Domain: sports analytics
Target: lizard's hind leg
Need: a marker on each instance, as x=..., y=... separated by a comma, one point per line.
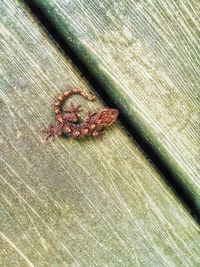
x=51, y=131
x=73, y=113
x=74, y=109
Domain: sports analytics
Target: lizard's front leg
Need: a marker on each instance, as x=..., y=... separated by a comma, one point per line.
x=98, y=132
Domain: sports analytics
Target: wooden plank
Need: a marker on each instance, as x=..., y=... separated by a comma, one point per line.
x=146, y=57
x=75, y=202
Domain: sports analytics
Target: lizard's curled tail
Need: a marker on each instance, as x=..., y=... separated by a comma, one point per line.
x=62, y=97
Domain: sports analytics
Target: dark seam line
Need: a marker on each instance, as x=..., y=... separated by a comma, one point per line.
x=169, y=177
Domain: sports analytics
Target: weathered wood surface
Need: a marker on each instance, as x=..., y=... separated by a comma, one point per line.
x=75, y=203
x=146, y=56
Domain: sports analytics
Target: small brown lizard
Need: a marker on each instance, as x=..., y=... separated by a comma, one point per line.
x=67, y=120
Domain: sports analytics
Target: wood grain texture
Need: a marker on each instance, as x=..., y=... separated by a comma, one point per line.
x=68, y=202
x=146, y=55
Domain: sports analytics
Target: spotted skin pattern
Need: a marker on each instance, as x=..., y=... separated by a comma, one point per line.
x=67, y=120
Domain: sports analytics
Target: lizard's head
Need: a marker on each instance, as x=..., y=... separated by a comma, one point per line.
x=107, y=116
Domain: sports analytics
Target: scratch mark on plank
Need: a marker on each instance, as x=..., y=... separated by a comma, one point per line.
x=70, y=254
x=4, y=237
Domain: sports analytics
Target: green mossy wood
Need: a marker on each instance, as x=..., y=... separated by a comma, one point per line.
x=74, y=202
x=145, y=54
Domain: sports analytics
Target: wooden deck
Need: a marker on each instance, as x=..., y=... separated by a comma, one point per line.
x=131, y=198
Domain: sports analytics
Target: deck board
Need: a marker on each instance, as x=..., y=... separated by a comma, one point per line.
x=74, y=202
x=145, y=56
